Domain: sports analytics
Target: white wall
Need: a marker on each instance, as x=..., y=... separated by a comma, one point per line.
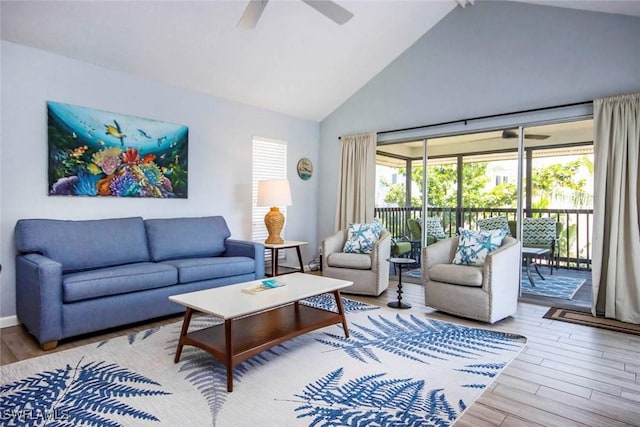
x=220, y=134
x=490, y=58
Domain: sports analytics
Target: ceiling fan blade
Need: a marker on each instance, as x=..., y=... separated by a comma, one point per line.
x=535, y=136
x=512, y=133
x=509, y=134
x=331, y=10
x=252, y=13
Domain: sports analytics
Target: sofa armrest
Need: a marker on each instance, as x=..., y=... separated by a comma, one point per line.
x=249, y=249
x=39, y=296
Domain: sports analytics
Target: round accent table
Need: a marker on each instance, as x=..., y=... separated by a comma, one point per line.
x=399, y=263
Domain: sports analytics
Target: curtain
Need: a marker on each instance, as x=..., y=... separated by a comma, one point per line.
x=356, y=180
x=616, y=209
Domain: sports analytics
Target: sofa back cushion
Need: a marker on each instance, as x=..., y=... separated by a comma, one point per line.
x=186, y=237
x=83, y=245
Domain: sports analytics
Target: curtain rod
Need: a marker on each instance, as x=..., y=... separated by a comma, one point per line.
x=490, y=116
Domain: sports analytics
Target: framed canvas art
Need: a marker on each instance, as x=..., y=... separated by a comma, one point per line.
x=98, y=153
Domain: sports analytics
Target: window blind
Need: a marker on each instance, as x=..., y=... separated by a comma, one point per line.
x=269, y=162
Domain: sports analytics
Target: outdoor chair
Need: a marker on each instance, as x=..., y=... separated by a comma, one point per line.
x=539, y=233
x=415, y=238
x=369, y=272
x=434, y=232
x=495, y=223
x=487, y=292
x=542, y=233
x=400, y=248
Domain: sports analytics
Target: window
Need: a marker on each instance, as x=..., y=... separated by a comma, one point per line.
x=502, y=179
x=269, y=162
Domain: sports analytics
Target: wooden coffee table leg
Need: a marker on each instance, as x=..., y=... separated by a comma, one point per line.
x=336, y=294
x=229, y=353
x=183, y=332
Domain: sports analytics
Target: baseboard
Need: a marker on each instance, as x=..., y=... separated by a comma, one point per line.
x=6, y=322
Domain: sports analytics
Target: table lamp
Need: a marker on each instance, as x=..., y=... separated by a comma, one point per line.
x=274, y=193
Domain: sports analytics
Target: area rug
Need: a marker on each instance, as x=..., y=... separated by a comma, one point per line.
x=552, y=286
x=395, y=369
x=586, y=319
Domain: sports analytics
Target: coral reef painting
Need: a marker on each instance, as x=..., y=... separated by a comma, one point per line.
x=98, y=153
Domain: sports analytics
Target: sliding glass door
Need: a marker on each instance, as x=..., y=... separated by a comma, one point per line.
x=450, y=182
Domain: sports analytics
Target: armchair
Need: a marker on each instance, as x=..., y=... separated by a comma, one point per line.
x=542, y=233
x=487, y=293
x=369, y=272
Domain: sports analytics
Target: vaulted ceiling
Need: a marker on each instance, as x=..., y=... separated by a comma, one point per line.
x=295, y=61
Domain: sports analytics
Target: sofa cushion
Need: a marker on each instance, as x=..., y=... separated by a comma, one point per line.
x=83, y=245
x=186, y=237
x=466, y=275
x=196, y=269
x=121, y=279
x=347, y=260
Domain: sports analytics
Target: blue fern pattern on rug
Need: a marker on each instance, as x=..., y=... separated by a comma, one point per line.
x=328, y=302
x=136, y=336
x=485, y=369
x=207, y=374
x=84, y=394
x=417, y=339
x=374, y=400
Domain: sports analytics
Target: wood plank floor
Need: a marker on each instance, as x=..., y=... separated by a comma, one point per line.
x=567, y=375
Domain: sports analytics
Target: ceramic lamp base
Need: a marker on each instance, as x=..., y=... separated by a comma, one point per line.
x=274, y=220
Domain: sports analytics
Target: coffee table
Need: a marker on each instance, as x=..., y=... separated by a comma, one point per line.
x=256, y=322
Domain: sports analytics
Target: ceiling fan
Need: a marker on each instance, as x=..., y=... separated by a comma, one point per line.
x=512, y=133
x=331, y=10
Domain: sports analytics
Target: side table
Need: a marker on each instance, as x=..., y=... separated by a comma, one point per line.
x=287, y=244
x=399, y=262
x=528, y=254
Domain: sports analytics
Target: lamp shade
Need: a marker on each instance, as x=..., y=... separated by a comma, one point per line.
x=274, y=192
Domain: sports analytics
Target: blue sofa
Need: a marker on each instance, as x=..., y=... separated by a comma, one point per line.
x=76, y=277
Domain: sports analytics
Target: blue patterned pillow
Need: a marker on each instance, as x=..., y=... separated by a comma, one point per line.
x=473, y=246
x=434, y=228
x=361, y=237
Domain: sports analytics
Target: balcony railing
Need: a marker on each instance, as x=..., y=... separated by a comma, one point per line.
x=574, y=243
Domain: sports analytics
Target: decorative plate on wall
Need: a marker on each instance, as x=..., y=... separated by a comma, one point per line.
x=305, y=168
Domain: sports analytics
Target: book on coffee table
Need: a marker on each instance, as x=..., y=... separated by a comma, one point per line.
x=265, y=285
